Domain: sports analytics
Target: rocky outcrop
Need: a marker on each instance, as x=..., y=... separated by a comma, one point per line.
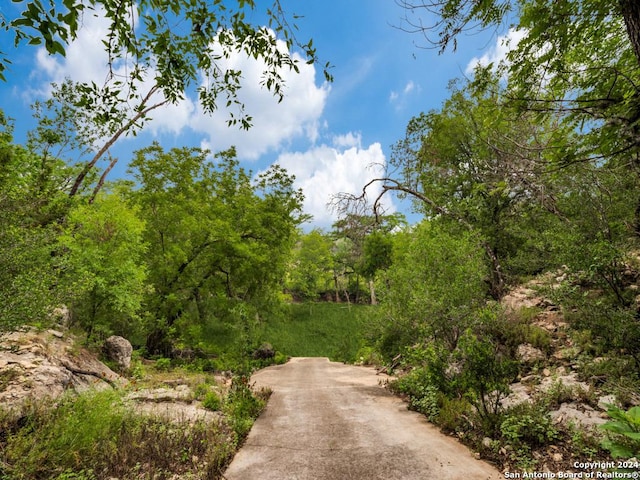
x=118, y=350
x=529, y=354
x=38, y=364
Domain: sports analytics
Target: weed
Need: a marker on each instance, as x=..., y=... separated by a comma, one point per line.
x=212, y=401
x=453, y=415
x=6, y=377
x=243, y=406
x=526, y=426
x=94, y=436
x=583, y=443
x=625, y=427
x=163, y=364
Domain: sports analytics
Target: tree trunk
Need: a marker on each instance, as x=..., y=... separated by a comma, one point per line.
x=630, y=10
x=158, y=343
x=497, y=282
x=372, y=289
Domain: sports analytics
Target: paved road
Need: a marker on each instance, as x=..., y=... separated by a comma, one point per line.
x=327, y=420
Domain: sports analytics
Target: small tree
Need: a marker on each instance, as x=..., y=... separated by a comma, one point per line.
x=105, y=251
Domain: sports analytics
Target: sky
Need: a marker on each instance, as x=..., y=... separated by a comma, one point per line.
x=334, y=137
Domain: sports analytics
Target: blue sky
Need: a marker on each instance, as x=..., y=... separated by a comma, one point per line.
x=333, y=137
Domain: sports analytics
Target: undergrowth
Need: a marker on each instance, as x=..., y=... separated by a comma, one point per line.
x=96, y=436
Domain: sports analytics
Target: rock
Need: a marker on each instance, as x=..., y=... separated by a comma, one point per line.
x=519, y=394
x=37, y=364
x=580, y=414
x=56, y=333
x=182, y=393
x=118, y=349
x=264, y=351
x=529, y=354
x=546, y=372
x=604, y=402
x=530, y=380
x=557, y=457
x=62, y=315
x=486, y=442
x=570, y=381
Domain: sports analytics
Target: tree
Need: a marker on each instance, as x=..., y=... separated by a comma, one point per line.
x=578, y=60
x=218, y=243
x=434, y=287
x=32, y=194
x=157, y=52
x=104, y=262
x=351, y=232
x=311, y=267
x=484, y=168
x=377, y=256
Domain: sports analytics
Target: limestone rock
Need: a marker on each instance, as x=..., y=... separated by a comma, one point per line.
x=529, y=354
x=36, y=364
x=605, y=401
x=118, y=349
x=576, y=413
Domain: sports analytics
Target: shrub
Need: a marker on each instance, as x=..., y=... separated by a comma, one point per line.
x=243, y=406
x=212, y=401
x=453, y=414
x=625, y=443
x=527, y=426
x=163, y=364
x=485, y=374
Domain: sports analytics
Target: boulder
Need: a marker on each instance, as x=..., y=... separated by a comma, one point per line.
x=529, y=354
x=264, y=351
x=39, y=364
x=118, y=349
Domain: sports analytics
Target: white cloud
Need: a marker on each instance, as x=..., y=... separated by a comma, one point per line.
x=349, y=140
x=274, y=124
x=399, y=98
x=497, y=54
x=325, y=171
x=410, y=87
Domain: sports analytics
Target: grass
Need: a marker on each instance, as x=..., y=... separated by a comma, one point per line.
x=331, y=330
x=97, y=436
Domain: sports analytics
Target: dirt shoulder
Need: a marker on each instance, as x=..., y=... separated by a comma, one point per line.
x=327, y=420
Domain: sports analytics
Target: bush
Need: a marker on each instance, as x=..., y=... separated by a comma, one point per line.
x=212, y=401
x=163, y=364
x=243, y=406
x=527, y=426
x=625, y=427
x=453, y=414
x=485, y=374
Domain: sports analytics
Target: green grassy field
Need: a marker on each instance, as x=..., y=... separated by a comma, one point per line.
x=331, y=330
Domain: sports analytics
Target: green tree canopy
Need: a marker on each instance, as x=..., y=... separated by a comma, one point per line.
x=218, y=241
x=104, y=252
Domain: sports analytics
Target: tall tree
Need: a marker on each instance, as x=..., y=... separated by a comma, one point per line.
x=481, y=166
x=311, y=267
x=104, y=250
x=32, y=194
x=218, y=243
x=577, y=59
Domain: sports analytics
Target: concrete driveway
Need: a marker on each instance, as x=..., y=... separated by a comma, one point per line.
x=327, y=420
